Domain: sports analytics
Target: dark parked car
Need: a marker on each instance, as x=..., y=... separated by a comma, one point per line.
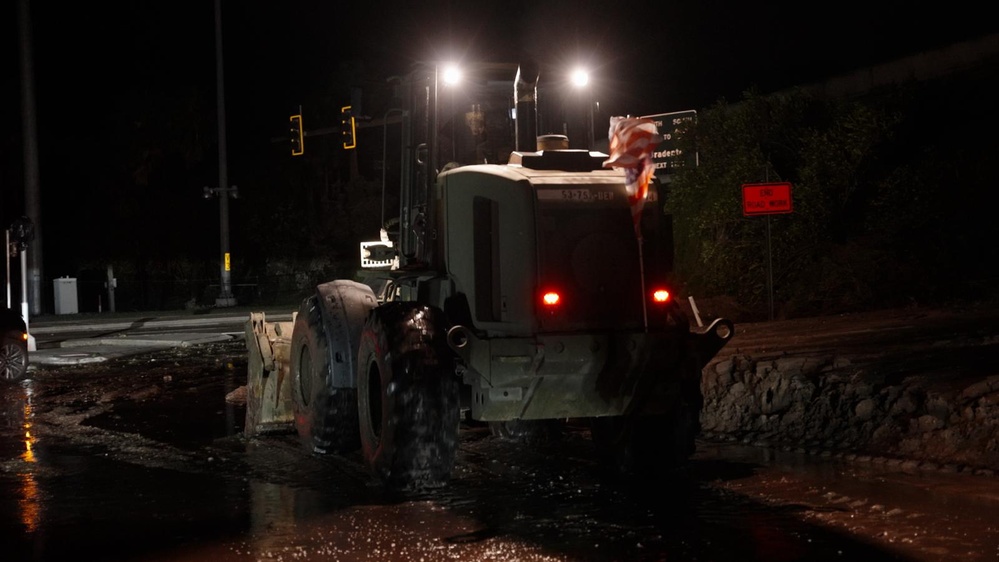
x=13, y=346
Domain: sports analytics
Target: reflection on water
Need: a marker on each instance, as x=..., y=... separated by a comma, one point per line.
x=310, y=524
x=30, y=503
x=30, y=500
x=272, y=516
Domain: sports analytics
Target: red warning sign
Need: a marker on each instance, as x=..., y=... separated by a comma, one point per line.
x=766, y=198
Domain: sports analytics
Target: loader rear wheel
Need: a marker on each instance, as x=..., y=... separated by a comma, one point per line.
x=648, y=445
x=325, y=417
x=407, y=392
x=534, y=432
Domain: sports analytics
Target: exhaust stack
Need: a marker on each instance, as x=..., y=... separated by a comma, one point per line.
x=525, y=98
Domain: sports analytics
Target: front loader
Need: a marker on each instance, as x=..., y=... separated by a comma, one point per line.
x=512, y=286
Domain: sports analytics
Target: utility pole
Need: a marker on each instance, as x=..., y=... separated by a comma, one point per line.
x=225, y=297
x=29, y=133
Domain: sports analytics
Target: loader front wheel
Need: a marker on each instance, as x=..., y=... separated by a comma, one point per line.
x=407, y=392
x=325, y=417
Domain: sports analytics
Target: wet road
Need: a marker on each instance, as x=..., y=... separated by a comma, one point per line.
x=143, y=459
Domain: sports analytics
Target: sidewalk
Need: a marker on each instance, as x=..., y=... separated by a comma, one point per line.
x=93, y=338
x=96, y=350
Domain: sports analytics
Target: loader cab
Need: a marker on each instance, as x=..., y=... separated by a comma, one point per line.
x=451, y=120
x=547, y=243
x=491, y=212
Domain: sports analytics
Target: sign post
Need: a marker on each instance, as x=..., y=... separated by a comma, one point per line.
x=767, y=199
x=23, y=231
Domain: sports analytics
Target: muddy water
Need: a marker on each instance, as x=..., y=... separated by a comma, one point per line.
x=927, y=514
x=145, y=460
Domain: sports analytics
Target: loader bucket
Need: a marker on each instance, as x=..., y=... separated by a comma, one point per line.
x=268, y=388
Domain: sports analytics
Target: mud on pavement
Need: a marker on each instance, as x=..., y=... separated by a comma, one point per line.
x=919, y=386
x=156, y=430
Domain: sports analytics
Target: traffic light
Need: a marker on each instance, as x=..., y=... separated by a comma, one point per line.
x=297, y=135
x=22, y=231
x=348, y=128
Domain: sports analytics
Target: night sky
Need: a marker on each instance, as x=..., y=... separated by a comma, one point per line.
x=646, y=56
x=99, y=67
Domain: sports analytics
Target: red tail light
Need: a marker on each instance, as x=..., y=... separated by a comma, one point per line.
x=550, y=299
x=660, y=296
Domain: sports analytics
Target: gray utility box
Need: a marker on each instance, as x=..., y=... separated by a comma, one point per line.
x=65, y=295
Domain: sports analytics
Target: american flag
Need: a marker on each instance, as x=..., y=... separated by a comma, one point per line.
x=631, y=143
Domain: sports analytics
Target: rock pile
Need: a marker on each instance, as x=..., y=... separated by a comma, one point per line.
x=834, y=405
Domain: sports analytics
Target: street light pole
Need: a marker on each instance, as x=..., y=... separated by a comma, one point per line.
x=24, y=299
x=584, y=101
x=225, y=294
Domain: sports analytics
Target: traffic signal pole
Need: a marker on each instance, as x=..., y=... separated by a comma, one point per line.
x=225, y=297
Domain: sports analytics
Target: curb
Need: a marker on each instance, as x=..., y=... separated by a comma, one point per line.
x=167, y=340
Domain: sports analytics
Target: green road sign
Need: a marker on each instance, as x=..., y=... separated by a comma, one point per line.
x=668, y=155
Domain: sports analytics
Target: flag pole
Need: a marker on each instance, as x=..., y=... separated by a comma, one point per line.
x=631, y=144
x=641, y=277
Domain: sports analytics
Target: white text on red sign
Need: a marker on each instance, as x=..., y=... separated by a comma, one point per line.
x=766, y=198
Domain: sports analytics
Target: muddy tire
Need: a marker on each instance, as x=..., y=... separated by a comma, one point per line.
x=325, y=417
x=408, y=406
x=13, y=359
x=532, y=432
x=648, y=445
x=686, y=421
